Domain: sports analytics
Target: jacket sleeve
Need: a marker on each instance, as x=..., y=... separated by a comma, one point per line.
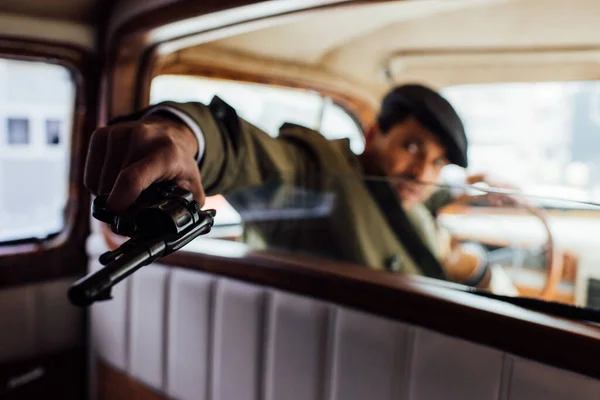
x=438, y=200
x=236, y=153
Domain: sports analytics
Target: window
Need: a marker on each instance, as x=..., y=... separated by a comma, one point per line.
x=544, y=136
x=53, y=131
x=34, y=152
x=265, y=106
x=18, y=131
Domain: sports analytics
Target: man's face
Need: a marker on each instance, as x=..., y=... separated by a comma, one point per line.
x=411, y=152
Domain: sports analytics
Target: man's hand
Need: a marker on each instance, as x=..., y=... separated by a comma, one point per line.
x=125, y=158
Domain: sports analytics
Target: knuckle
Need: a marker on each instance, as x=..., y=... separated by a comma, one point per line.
x=167, y=143
x=140, y=133
x=130, y=178
x=176, y=166
x=99, y=135
x=168, y=148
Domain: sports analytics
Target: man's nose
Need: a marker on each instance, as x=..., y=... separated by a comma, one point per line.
x=418, y=169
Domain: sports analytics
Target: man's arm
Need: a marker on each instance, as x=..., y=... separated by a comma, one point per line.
x=217, y=153
x=464, y=263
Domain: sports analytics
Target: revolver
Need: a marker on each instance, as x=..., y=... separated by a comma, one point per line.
x=162, y=220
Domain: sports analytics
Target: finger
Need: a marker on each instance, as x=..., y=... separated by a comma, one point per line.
x=194, y=184
x=95, y=159
x=134, y=179
x=116, y=151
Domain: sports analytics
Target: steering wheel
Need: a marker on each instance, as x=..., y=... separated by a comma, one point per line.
x=553, y=259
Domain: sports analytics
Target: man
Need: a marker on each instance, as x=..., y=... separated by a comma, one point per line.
x=209, y=150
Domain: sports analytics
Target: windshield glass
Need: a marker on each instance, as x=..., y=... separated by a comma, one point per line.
x=358, y=220
x=542, y=136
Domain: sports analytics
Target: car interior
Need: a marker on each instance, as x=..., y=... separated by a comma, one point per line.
x=232, y=316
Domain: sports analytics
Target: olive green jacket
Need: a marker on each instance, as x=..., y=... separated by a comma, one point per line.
x=239, y=157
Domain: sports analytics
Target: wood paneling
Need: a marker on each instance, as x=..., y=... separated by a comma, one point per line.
x=116, y=385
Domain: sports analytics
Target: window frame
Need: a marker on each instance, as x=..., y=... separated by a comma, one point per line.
x=78, y=63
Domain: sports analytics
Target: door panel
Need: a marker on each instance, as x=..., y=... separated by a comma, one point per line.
x=40, y=320
x=226, y=339
x=41, y=342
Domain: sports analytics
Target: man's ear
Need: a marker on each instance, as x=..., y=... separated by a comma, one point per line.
x=371, y=133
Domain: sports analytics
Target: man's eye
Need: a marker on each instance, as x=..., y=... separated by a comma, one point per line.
x=412, y=147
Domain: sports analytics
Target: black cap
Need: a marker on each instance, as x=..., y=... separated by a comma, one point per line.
x=433, y=111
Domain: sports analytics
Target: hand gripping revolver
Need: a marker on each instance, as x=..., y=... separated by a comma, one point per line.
x=162, y=220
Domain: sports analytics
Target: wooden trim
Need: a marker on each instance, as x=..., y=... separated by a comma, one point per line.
x=558, y=296
x=113, y=384
x=64, y=254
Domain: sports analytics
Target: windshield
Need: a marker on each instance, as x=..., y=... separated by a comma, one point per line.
x=344, y=218
x=543, y=137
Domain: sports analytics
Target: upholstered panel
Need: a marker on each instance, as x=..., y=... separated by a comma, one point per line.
x=238, y=343
x=370, y=357
x=148, y=325
x=533, y=381
x=38, y=319
x=192, y=335
x=297, y=344
x=109, y=327
x=190, y=324
x=460, y=369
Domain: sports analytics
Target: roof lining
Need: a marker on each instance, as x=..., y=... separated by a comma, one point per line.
x=441, y=56
x=20, y=26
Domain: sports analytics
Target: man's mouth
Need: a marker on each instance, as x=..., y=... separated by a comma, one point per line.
x=409, y=191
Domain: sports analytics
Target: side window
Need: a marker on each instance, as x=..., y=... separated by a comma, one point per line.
x=265, y=106
x=36, y=112
x=337, y=124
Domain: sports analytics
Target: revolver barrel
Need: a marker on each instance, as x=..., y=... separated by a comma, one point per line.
x=97, y=285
